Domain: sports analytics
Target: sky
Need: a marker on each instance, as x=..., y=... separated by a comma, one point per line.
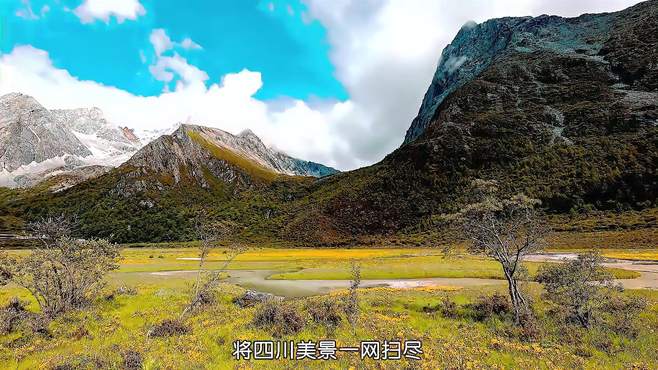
x=336, y=82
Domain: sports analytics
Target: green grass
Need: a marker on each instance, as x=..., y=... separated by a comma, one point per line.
x=326, y=264
x=419, y=268
x=100, y=333
x=109, y=327
x=330, y=264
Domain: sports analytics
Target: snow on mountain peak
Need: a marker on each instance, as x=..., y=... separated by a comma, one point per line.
x=36, y=142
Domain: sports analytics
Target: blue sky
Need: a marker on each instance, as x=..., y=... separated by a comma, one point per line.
x=271, y=37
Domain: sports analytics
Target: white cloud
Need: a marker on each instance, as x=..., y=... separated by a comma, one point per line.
x=26, y=11
x=160, y=41
x=165, y=67
x=91, y=10
x=187, y=43
x=297, y=129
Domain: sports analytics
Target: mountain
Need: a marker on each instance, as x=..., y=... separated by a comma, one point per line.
x=36, y=143
x=608, y=43
x=562, y=109
x=158, y=192
x=196, y=152
x=31, y=134
x=102, y=138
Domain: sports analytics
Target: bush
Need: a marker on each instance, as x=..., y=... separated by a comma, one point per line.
x=40, y=325
x=83, y=361
x=581, y=288
x=132, y=360
x=325, y=312
x=168, y=328
x=530, y=329
x=620, y=314
x=280, y=318
x=65, y=272
x=488, y=306
x=125, y=290
x=448, y=308
x=12, y=315
x=351, y=300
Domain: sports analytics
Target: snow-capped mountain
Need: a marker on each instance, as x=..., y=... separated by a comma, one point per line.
x=108, y=143
x=37, y=143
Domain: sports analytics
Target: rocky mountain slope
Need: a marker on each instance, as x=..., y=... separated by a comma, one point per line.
x=36, y=143
x=203, y=155
x=158, y=192
x=102, y=138
x=563, y=109
x=588, y=40
x=30, y=133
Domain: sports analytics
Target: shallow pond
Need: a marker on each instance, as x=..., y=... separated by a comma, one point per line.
x=257, y=280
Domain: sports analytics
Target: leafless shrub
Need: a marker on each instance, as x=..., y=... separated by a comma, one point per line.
x=281, y=318
x=12, y=315
x=168, y=328
x=209, y=235
x=63, y=273
x=505, y=229
x=351, y=300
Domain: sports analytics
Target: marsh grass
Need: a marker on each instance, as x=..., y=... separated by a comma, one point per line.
x=448, y=342
x=113, y=327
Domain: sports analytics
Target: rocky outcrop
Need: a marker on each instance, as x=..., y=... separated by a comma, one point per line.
x=479, y=46
x=110, y=144
x=29, y=133
x=252, y=298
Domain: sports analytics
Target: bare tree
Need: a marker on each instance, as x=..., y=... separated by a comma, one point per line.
x=351, y=303
x=209, y=235
x=505, y=229
x=63, y=273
